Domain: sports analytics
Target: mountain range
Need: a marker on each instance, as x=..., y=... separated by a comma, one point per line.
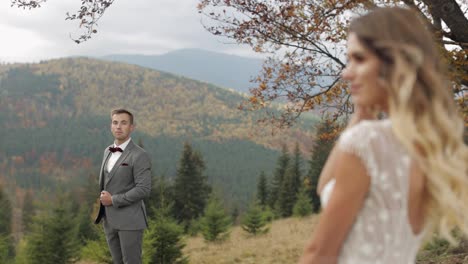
x=223, y=70
x=55, y=122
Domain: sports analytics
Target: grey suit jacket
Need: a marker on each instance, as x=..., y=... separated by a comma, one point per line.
x=129, y=182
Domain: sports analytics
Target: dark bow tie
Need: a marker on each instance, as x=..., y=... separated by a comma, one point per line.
x=112, y=149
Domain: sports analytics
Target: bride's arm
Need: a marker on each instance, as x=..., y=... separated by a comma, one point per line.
x=336, y=220
x=327, y=172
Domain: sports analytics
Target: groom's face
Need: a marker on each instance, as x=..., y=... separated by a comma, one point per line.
x=121, y=127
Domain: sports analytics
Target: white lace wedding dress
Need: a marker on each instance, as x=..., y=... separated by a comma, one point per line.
x=381, y=233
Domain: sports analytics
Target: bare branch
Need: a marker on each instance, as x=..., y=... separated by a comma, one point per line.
x=27, y=3
x=88, y=15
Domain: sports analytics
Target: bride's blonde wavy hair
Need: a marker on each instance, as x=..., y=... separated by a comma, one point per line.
x=422, y=110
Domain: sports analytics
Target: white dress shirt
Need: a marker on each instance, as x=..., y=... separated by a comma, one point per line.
x=116, y=155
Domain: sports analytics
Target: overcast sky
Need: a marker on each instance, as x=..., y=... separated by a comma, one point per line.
x=128, y=26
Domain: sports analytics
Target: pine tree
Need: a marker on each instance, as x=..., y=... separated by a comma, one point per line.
x=262, y=190
x=215, y=222
x=235, y=215
x=277, y=181
x=89, y=194
x=53, y=236
x=303, y=206
x=97, y=250
x=254, y=221
x=27, y=211
x=87, y=206
x=163, y=239
x=6, y=240
x=160, y=188
x=291, y=185
x=163, y=242
x=325, y=138
x=268, y=214
x=287, y=197
x=295, y=171
x=191, y=190
x=5, y=214
x=86, y=230
x=6, y=249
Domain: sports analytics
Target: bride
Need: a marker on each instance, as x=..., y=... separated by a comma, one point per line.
x=388, y=183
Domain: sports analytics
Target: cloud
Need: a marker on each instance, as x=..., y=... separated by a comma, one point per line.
x=137, y=27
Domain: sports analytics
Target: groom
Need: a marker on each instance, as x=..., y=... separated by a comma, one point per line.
x=124, y=180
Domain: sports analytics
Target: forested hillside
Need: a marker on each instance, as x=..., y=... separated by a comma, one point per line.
x=55, y=124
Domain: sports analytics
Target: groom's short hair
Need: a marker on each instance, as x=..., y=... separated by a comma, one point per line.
x=122, y=111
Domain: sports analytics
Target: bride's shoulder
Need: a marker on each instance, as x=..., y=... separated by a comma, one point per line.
x=366, y=129
x=362, y=136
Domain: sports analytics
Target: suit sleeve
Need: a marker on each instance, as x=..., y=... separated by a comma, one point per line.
x=142, y=178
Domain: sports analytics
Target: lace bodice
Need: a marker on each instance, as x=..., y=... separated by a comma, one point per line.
x=381, y=233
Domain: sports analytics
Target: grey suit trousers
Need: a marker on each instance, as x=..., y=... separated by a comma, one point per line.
x=125, y=245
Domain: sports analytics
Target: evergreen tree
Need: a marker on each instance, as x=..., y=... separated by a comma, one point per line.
x=194, y=227
x=89, y=194
x=303, y=206
x=160, y=188
x=97, y=250
x=163, y=242
x=6, y=249
x=291, y=185
x=287, y=198
x=191, y=189
x=6, y=240
x=235, y=215
x=262, y=190
x=86, y=207
x=325, y=138
x=277, y=181
x=215, y=222
x=268, y=214
x=163, y=239
x=53, y=236
x=5, y=214
x=295, y=171
x=86, y=230
x=254, y=221
x=27, y=211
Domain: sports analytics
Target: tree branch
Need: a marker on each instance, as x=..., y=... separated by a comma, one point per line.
x=27, y=3
x=450, y=12
x=88, y=15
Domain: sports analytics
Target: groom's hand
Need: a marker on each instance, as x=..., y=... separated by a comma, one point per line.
x=106, y=198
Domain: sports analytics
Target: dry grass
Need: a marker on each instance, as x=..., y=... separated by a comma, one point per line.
x=282, y=244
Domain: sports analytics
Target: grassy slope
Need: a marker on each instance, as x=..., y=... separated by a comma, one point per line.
x=282, y=245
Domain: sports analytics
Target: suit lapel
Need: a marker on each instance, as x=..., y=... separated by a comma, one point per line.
x=122, y=157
